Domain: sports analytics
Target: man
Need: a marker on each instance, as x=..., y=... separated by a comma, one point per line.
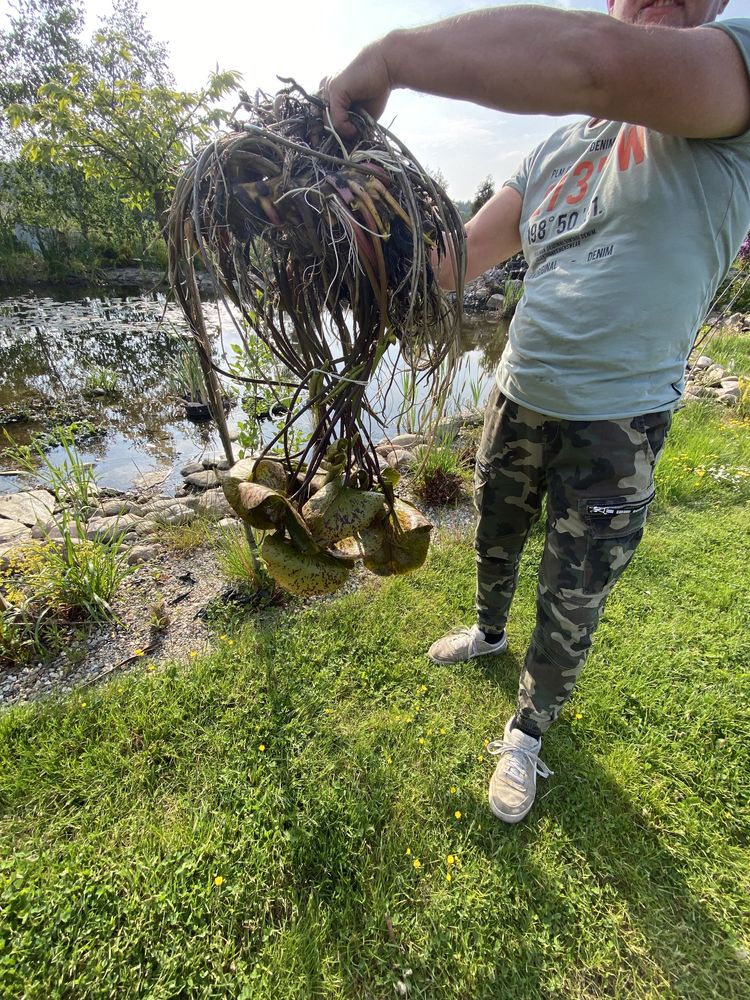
x=629, y=220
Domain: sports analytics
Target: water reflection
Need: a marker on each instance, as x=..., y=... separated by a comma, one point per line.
x=49, y=347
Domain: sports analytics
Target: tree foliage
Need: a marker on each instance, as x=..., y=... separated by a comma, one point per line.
x=100, y=128
x=118, y=130
x=484, y=192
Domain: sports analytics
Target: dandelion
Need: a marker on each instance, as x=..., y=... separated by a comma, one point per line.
x=451, y=860
x=457, y=814
x=389, y=760
x=421, y=740
x=578, y=716
x=423, y=688
x=219, y=880
x=408, y=850
x=139, y=652
x=442, y=732
x=448, y=877
x=480, y=758
x=453, y=789
x=223, y=638
x=417, y=863
x=700, y=472
x=262, y=747
x=193, y=653
x=83, y=704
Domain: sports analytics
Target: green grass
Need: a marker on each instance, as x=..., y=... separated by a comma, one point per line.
x=121, y=807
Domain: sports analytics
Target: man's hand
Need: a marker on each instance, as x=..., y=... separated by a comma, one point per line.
x=364, y=85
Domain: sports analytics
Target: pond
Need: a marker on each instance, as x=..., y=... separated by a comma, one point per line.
x=53, y=349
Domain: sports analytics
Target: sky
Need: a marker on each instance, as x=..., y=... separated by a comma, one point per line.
x=309, y=40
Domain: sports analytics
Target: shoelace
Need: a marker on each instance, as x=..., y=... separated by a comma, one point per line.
x=514, y=770
x=475, y=636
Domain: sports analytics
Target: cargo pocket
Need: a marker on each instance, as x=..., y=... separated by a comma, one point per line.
x=614, y=526
x=481, y=476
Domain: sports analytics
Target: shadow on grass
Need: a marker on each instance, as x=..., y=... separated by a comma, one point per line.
x=693, y=952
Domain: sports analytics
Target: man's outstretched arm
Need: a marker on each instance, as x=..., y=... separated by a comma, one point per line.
x=535, y=60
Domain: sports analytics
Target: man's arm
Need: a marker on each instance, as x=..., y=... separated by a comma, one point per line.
x=535, y=60
x=492, y=236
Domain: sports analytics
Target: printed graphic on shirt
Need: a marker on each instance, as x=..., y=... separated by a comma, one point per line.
x=572, y=208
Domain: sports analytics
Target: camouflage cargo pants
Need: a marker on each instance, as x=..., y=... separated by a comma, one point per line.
x=599, y=480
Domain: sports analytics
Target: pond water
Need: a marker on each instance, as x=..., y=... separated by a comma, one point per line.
x=51, y=346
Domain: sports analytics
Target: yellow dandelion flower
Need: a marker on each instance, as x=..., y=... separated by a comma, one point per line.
x=139, y=652
x=457, y=814
x=223, y=638
x=83, y=704
x=480, y=758
x=261, y=747
x=450, y=860
x=421, y=740
x=193, y=653
x=423, y=688
x=230, y=642
x=448, y=877
x=453, y=789
x=219, y=880
x=389, y=760
x=442, y=732
x=700, y=472
x=578, y=715
x=417, y=863
x=151, y=666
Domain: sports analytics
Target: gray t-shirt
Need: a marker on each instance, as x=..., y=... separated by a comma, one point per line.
x=628, y=234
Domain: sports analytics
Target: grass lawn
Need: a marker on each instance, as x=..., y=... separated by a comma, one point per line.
x=302, y=813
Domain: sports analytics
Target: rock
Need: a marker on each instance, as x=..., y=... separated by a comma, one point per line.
x=142, y=553
x=228, y=522
x=42, y=528
x=400, y=441
x=106, y=529
x=215, y=460
x=730, y=397
x=177, y=513
x=148, y=480
x=114, y=507
x=710, y=377
x=11, y=530
x=28, y=507
x=212, y=504
x=203, y=480
x=400, y=458
x=730, y=381
x=703, y=362
x=159, y=505
x=496, y=301
x=51, y=530
x=191, y=468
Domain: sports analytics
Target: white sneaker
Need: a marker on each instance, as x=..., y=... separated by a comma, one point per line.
x=513, y=785
x=463, y=644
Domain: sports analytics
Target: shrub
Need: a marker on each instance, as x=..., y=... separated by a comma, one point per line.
x=438, y=479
